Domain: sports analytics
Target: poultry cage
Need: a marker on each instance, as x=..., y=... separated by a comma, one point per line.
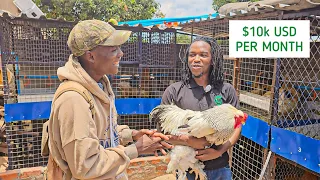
x=281, y=96
x=33, y=50
x=154, y=70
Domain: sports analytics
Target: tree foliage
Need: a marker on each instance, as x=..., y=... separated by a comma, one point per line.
x=183, y=39
x=216, y=4
x=121, y=10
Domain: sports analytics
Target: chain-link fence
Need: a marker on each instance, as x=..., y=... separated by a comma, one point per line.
x=256, y=77
x=281, y=92
x=142, y=82
x=298, y=88
x=247, y=159
x=33, y=50
x=24, y=142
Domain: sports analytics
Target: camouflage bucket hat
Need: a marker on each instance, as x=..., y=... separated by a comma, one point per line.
x=88, y=34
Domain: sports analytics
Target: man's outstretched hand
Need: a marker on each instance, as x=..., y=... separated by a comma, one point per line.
x=138, y=134
x=150, y=141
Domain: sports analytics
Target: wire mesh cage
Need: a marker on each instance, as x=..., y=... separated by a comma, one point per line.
x=33, y=50
x=298, y=88
x=24, y=141
x=247, y=159
x=136, y=121
x=281, y=92
x=158, y=48
x=143, y=82
x=228, y=67
x=256, y=76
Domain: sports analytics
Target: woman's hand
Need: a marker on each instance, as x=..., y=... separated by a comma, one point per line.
x=196, y=143
x=208, y=154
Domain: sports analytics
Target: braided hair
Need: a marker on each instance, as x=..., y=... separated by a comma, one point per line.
x=216, y=77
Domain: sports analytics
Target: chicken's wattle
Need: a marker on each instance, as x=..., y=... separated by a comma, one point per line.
x=240, y=120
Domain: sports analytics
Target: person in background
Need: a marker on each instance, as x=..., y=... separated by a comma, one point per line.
x=202, y=87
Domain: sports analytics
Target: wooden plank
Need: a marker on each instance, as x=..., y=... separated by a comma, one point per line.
x=230, y=151
x=226, y=57
x=35, y=98
x=255, y=100
x=272, y=167
x=236, y=75
x=274, y=78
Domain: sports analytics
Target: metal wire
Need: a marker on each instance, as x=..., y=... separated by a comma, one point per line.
x=137, y=121
x=24, y=141
x=256, y=87
x=282, y=92
x=135, y=82
x=33, y=50
x=247, y=159
x=299, y=87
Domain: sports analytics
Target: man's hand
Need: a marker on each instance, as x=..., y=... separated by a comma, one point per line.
x=196, y=143
x=208, y=154
x=150, y=145
x=138, y=134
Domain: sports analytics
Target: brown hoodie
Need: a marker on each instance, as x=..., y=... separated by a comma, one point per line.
x=81, y=144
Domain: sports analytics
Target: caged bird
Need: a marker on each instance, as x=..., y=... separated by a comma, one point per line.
x=216, y=124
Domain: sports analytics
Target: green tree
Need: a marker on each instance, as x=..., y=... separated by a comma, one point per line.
x=121, y=10
x=216, y=4
x=183, y=39
x=159, y=14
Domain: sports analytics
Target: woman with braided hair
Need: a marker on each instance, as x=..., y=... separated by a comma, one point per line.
x=202, y=87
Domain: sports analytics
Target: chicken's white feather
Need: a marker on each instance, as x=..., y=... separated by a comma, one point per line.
x=216, y=124
x=182, y=158
x=199, y=127
x=171, y=117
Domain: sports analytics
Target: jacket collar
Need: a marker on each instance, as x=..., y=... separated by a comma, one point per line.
x=192, y=84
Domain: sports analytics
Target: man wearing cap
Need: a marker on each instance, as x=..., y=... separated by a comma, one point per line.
x=83, y=144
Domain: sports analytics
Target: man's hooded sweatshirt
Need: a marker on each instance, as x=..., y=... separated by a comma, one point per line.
x=83, y=145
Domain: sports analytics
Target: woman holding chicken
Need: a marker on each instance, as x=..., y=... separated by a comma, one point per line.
x=202, y=87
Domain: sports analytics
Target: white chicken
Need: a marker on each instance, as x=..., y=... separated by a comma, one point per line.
x=216, y=124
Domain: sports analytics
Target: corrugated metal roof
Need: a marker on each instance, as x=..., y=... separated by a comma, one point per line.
x=283, y=5
x=218, y=27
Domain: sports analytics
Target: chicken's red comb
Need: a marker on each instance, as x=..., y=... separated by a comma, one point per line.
x=245, y=116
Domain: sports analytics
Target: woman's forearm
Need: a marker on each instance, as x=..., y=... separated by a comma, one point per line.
x=196, y=143
x=231, y=142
